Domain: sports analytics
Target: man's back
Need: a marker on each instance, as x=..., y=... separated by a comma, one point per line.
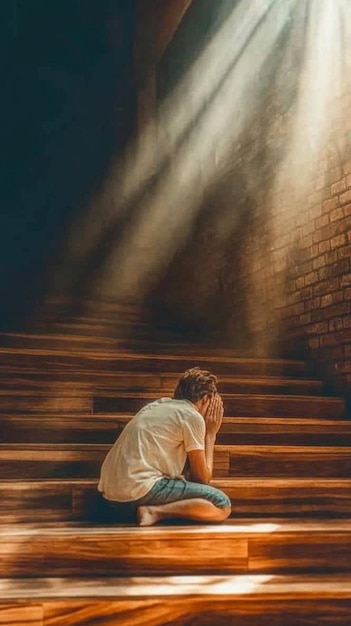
x=154, y=444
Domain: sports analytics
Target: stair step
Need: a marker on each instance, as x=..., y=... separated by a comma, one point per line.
x=57, y=500
x=209, y=600
x=84, y=460
x=234, y=430
x=236, y=404
x=76, y=399
x=155, y=383
x=273, y=546
x=117, y=360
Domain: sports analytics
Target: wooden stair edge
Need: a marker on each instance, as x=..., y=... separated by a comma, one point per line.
x=120, y=354
x=301, y=586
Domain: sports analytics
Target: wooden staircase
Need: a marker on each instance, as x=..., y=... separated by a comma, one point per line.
x=283, y=455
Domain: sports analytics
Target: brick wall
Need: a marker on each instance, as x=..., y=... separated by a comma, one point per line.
x=267, y=266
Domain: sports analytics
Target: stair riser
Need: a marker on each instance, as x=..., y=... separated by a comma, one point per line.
x=39, y=432
x=102, y=360
x=104, y=554
x=238, y=462
x=240, y=406
x=65, y=502
x=159, y=386
x=236, y=406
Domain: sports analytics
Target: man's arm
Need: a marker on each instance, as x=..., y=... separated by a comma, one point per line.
x=201, y=461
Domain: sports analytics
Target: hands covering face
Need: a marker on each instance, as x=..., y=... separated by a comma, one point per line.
x=214, y=414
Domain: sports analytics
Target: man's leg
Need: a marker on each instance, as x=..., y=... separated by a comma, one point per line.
x=196, y=509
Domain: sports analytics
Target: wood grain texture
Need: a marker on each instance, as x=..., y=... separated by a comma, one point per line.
x=102, y=359
x=79, y=461
x=237, y=405
x=213, y=601
x=78, y=499
x=246, y=547
x=70, y=460
x=290, y=461
x=21, y=613
x=85, y=460
x=161, y=383
x=105, y=428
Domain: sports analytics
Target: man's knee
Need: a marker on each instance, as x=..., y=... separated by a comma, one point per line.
x=224, y=513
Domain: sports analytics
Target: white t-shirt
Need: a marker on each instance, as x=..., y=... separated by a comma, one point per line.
x=154, y=444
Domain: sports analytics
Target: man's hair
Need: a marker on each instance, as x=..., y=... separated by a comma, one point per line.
x=194, y=384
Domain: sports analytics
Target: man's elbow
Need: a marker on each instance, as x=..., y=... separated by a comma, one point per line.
x=203, y=478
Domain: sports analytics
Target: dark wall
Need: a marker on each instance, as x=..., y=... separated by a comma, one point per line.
x=67, y=105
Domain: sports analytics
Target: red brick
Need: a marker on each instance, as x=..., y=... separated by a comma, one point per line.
x=338, y=241
x=313, y=251
x=323, y=273
x=345, y=197
x=322, y=221
x=332, y=284
x=324, y=246
x=329, y=340
x=307, y=242
x=317, y=329
x=347, y=295
x=305, y=268
x=340, y=309
x=347, y=209
x=305, y=319
x=342, y=226
x=339, y=187
x=300, y=282
x=336, y=324
x=331, y=257
x=344, y=252
x=313, y=343
x=311, y=305
x=318, y=262
x=340, y=267
x=347, y=321
x=307, y=229
x=337, y=214
x=346, y=280
x=327, y=300
x=329, y=205
x=306, y=293
x=311, y=278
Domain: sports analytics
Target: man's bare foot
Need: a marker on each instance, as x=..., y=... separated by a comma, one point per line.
x=146, y=516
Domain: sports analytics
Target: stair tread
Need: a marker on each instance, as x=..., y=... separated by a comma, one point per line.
x=204, y=356
x=231, y=527
x=311, y=482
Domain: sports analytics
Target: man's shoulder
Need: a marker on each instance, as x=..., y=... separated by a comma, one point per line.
x=183, y=407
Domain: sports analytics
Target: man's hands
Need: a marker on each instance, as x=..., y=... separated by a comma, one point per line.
x=201, y=461
x=214, y=415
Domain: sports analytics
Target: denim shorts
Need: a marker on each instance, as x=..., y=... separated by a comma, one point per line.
x=167, y=490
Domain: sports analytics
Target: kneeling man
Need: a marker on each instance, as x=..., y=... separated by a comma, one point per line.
x=143, y=472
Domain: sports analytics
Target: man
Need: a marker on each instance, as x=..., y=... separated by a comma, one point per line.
x=142, y=472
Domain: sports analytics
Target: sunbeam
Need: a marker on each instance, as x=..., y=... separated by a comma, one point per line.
x=152, y=197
